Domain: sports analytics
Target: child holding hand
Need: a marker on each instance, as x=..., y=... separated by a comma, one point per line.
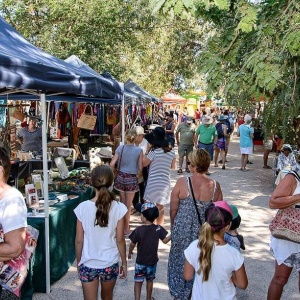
x=146, y=237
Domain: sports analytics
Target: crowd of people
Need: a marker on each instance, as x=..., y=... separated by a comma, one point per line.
x=205, y=259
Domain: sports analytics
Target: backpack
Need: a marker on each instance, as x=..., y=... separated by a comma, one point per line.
x=219, y=128
x=228, y=124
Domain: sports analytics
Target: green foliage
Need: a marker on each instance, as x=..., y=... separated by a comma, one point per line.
x=122, y=37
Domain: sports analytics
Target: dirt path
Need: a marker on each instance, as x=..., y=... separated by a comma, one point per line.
x=250, y=192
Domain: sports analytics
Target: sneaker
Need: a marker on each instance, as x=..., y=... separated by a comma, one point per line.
x=179, y=171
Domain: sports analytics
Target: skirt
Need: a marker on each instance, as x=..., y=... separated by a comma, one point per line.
x=126, y=182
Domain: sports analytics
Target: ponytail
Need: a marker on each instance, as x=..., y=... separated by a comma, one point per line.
x=103, y=204
x=206, y=245
x=101, y=179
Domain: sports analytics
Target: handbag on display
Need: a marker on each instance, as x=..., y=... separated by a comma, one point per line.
x=286, y=223
x=62, y=116
x=87, y=120
x=18, y=113
x=13, y=272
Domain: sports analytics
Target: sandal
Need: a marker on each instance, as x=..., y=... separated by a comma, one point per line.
x=223, y=167
x=267, y=167
x=179, y=171
x=216, y=166
x=187, y=170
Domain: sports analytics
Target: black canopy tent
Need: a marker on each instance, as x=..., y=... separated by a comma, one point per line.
x=129, y=95
x=131, y=86
x=26, y=69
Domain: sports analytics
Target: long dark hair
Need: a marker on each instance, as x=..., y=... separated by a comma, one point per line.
x=5, y=162
x=101, y=179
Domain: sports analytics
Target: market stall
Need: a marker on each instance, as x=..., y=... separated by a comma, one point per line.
x=27, y=70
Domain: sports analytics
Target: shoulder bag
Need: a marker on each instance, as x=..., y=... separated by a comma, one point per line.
x=87, y=120
x=119, y=163
x=194, y=200
x=13, y=272
x=286, y=223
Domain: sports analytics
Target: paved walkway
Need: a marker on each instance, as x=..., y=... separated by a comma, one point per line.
x=250, y=192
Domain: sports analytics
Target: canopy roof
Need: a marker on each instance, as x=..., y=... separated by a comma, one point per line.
x=26, y=68
x=131, y=86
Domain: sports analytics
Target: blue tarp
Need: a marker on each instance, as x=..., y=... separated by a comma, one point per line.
x=28, y=68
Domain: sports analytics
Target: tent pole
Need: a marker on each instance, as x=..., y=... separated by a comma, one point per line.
x=123, y=119
x=46, y=198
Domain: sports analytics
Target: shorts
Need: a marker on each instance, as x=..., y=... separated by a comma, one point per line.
x=87, y=274
x=247, y=150
x=126, y=182
x=268, y=145
x=221, y=144
x=144, y=271
x=208, y=147
x=184, y=149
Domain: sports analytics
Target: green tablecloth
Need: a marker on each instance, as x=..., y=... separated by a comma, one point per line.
x=62, y=230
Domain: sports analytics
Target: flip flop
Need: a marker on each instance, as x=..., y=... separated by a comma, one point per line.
x=267, y=167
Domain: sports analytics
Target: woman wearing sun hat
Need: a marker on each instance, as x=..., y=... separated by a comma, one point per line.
x=160, y=159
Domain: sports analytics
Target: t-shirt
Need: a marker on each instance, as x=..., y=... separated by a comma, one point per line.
x=147, y=237
x=130, y=158
x=206, y=134
x=99, y=246
x=245, y=139
x=225, y=260
x=31, y=141
x=186, y=133
x=13, y=211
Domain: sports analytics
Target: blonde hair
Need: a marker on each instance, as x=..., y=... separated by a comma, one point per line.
x=216, y=220
x=101, y=179
x=131, y=136
x=206, y=245
x=200, y=159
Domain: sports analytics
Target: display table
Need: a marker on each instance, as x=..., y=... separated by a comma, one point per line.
x=62, y=230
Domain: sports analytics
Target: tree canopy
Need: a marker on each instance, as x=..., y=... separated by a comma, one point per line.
x=245, y=50
x=251, y=51
x=122, y=37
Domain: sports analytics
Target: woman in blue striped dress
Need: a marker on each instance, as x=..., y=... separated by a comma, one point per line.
x=160, y=159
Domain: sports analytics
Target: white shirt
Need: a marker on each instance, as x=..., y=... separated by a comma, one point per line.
x=225, y=260
x=143, y=145
x=13, y=211
x=99, y=245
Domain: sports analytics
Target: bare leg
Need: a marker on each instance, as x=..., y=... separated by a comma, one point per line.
x=280, y=278
x=137, y=290
x=128, y=201
x=223, y=157
x=90, y=290
x=149, y=288
x=216, y=156
x=180, y=162
x=107, y=289
x=265, y=157
x=161, y=218
x=245, y=161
